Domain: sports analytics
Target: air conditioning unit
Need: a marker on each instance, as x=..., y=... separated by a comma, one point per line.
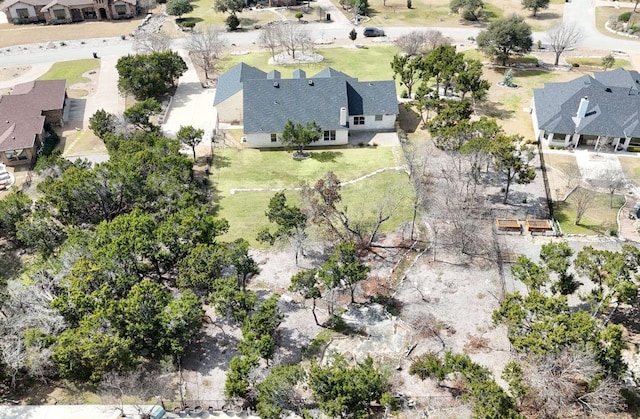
x=243, y=139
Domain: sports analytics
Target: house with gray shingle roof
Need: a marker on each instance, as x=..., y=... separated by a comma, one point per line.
x=337, y=102
x=23, y=115
x=228, y=99
x=602, y=110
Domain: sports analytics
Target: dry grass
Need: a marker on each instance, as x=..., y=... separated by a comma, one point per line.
x=437, y=13
x=631, y=168
x=28, y=34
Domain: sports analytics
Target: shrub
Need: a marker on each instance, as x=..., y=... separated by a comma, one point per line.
x=576, y=65
x=189, y=24
x=299, y=15
x=404, y=94
x=50, y=142
x=232, y=22
x=409, y=4
x=624, y=17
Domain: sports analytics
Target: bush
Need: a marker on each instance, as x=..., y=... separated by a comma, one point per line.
x=404, y=94
x=189, y=24
x=409, y=4
x=624, y=17
x=50, y=142
x=232, y=22
x=575, y=65
x=299, y=15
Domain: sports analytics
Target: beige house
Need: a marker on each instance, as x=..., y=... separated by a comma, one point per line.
x=228, y=101
x=68, y=11
x=23, y=117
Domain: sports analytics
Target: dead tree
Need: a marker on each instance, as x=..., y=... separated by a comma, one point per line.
x=565, y=37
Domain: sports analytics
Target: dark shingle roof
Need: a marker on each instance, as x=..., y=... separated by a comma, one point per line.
x=614, y=104
x=267, y=108
x=230, y=82
x=21, y=112
x=372, y=97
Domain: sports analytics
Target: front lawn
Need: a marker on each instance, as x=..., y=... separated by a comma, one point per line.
x=631, y=168
x=598, y=219
x=373, y=63
x=71, y=71
x=597, y=62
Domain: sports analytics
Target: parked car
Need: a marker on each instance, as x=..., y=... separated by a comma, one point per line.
x=372, y=32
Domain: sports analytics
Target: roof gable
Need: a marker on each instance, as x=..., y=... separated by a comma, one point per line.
x=231, y=81
x=372, y=97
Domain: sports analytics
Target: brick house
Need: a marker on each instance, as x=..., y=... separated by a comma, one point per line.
x=67, y=11
x=23, y=116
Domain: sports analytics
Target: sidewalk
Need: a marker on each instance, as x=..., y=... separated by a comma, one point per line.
x=106, y=95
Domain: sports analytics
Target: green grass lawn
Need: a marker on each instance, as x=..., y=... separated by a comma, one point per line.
x=598, y=219
x=71, y=71
x=245, y=210
x=597, y=62
x=364, y=63
x=251, y=168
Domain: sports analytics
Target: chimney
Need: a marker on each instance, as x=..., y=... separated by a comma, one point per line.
x=343, y=116
x=582, y=111
x=582, y=107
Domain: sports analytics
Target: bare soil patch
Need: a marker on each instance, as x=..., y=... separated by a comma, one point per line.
x=8, y=73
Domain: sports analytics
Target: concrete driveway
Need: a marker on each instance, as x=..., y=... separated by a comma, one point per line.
x=191, y=105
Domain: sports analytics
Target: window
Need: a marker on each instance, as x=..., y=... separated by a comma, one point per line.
x=22, y=13
x=121, y=9
x=358, y=120
x=274, y=138
x=329, y=135
x=378, y=117
x=59, y=14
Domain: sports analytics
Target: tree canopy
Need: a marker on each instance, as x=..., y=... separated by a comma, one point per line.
x=504, y=37
x=146, y=76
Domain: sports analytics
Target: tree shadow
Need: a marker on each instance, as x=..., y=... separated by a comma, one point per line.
x=408, y=119
x=220, y=161
x=246, y=21
x=494, y=110
x=532, y=73
x=10, y=263
x=326, y=156
x=546, y=16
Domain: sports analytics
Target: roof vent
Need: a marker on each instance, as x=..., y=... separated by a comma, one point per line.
x=310, y=82
x=276, y=84
x=608, y=90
